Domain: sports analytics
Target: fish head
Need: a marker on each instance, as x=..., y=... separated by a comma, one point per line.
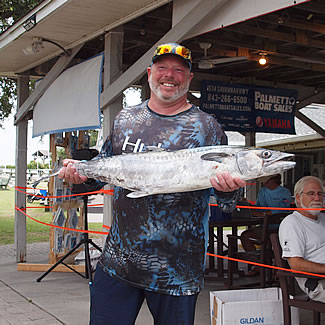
x=254, y=163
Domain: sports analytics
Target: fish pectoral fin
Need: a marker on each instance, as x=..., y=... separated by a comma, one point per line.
x=137, y=194
x=215, y=156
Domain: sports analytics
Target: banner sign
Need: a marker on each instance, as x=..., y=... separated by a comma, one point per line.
x=72, y=102
x=246, y=108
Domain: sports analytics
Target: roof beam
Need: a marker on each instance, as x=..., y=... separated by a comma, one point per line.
x=278, y=36
x=290, y=22
x=298, y=64
x=175, y=34
x=307, y=101
x=56, y=70
x=298, y=143
x=310, y=123
x=317, y=65
x=199, y=76
x=316, y=98
x=313, y=7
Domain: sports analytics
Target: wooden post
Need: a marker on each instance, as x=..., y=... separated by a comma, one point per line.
x=250, y=141
x=113, y=69
x=21, y=168
x=51, y=193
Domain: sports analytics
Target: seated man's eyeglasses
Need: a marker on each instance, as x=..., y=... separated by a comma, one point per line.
x=313, y=194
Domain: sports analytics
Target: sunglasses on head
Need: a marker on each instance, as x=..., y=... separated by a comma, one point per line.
x=173, y=49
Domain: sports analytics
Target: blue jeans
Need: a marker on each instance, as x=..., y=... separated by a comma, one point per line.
x=115, y=303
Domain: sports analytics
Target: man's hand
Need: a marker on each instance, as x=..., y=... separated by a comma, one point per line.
x=68, y=172
x=224, y=182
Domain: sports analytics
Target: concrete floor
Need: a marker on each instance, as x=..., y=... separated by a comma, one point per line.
x=63, y=298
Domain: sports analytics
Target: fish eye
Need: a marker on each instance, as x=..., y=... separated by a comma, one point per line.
x=266, y=154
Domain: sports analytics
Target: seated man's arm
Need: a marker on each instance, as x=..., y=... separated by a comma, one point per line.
x=300, y=264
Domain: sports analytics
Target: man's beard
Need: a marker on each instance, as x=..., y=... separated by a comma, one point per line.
x=313, y=205
x=180, y=92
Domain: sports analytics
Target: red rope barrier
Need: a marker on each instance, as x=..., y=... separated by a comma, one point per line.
x=208, y=254
x=266, y=265
x=65, y=228
x=270, y=208
x=19, y=189
x=110, y=192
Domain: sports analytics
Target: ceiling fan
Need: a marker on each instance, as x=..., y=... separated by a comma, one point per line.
x=206, y=63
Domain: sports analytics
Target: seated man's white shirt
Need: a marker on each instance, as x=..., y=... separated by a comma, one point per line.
x=304, y=237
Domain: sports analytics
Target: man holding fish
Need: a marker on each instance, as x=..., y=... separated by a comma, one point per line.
x=157, y=243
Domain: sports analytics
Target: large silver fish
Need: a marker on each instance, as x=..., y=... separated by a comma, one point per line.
x=160, y=171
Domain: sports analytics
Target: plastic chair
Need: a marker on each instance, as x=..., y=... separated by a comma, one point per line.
x=287, y=284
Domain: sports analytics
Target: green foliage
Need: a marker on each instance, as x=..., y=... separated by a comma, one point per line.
x=35, y=232
x=33, y=165
x=8, y=92
x=10, y=12
x=60, y=153
x=8, y=166
x=93, y=138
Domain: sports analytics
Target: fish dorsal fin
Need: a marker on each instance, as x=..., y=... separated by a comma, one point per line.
x=154, y=149
x=215, y=156
x=137, y=194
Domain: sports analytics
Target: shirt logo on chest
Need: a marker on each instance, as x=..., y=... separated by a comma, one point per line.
x=137, y=146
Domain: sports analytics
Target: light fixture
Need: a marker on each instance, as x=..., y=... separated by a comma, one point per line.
x=262, y=60
x=37, y=46
x=30, y=23
x=205, y=47
x=205, y=65
x=143, y=31
x=281, y=19
x=283, y=16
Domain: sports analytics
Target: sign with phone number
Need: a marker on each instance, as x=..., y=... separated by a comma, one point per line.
x=246, y=108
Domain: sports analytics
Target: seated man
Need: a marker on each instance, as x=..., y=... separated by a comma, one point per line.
x=272, y=194
x=302, y=237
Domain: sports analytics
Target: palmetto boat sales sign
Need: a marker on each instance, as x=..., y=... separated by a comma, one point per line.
x=247, y=108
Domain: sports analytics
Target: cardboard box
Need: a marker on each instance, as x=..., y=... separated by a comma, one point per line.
x=249, y=306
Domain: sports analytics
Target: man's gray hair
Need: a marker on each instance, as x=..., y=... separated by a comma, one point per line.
x=299, y=187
